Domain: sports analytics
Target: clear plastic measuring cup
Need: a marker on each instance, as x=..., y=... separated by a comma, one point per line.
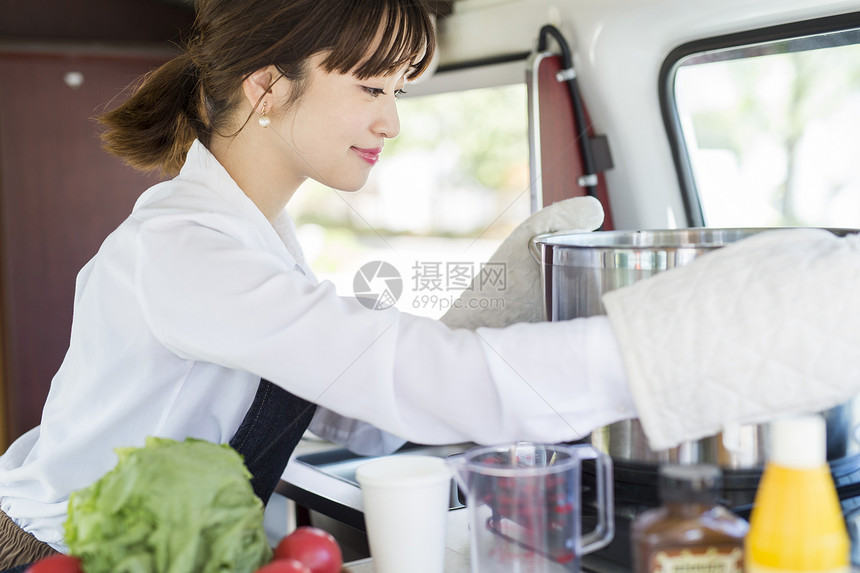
x=524, y=506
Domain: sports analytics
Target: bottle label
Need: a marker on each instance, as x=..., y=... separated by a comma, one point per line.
x=753, y=568
x=698, y=560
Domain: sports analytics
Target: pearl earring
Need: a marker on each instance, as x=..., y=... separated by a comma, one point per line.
x=264, y=118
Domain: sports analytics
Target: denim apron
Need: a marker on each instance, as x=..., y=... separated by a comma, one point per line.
x=269, y=433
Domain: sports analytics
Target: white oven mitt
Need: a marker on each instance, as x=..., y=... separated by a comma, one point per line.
x=520, y=272
x=765, y=327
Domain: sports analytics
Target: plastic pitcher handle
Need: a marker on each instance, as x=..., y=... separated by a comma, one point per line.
x=604, y=531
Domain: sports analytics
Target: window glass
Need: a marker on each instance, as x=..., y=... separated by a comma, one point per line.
x=772, y=131
x=444, y=195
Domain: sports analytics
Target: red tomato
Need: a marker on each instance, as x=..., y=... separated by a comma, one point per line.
x=312, y=546
x=284, y=566
x=56, y=564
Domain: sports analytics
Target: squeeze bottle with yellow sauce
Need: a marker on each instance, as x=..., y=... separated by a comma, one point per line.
x=796, y=523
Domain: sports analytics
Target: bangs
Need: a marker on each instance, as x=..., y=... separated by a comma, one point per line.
x=380, y=37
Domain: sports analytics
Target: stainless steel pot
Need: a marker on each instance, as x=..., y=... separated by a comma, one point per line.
x=578, y=268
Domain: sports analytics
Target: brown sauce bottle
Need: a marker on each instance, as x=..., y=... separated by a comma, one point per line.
x=690, y=532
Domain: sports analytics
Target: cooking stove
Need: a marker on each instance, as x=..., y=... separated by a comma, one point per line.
x=636, y=490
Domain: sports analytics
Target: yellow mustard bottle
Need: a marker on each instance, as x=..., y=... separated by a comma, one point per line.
x=796, y=523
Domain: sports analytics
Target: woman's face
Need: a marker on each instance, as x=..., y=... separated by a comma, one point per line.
x=336, y=131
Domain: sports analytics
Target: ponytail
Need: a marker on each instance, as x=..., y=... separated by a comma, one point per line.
x=154, y=129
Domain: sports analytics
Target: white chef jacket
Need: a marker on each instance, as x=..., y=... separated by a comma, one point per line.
x=196, y=296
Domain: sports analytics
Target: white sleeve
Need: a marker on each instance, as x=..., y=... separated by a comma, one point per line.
x=208, y=297
x=761, y=328
x=359, y=437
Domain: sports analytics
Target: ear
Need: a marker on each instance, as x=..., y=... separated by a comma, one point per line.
x=257, y=85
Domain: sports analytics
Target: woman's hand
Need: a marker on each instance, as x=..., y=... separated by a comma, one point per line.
x=507, y=290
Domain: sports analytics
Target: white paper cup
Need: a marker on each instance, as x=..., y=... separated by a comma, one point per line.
x=405, y=509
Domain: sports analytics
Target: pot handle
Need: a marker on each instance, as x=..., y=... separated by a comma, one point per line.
x=534, y=249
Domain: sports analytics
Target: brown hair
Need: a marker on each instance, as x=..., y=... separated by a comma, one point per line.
x=193, y=95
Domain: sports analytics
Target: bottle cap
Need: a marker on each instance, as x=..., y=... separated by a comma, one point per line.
x=799, y=442
x=698, y=483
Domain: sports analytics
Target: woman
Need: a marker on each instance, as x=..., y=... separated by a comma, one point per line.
x=199, y=317
x=203, y=290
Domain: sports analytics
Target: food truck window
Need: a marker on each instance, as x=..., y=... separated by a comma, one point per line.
x=443, y=196
x=766, y=125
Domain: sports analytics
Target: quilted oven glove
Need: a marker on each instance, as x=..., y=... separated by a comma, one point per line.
x=766, y=327
x=521, y=288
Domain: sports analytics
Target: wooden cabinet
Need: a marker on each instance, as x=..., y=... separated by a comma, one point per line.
x=60, y=195
x=61, y=64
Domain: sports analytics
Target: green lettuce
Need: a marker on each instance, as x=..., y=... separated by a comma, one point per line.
x=170, y=507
